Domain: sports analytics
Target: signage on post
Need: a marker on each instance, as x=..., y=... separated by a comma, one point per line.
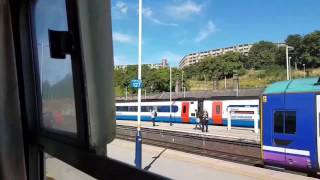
x=136, y=83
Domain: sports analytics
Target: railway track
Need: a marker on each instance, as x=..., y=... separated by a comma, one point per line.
x=240, y=151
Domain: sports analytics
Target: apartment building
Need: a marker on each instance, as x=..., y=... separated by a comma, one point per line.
x=198, y=56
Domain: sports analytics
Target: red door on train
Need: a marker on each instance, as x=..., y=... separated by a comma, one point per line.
x=217, y=113
x=185, y=112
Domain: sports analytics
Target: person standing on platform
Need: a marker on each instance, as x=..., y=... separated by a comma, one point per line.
x=153, y=117
x=197, y=120
x=205, y=120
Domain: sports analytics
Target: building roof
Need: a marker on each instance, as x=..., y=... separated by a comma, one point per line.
x=213, y=94
x=294, y=85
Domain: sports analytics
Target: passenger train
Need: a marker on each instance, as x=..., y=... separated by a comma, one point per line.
x=290, y=120
x=184, y=111
x=290, y=124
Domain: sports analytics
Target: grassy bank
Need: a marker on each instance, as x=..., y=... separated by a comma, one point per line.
x=252, y=79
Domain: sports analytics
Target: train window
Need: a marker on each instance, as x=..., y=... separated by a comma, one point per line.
x=290, y=122
x=146, y=108
x=184, y=109
x=167, y=109
x=122, y=108
x=132, y=108
x=278, y=121
x=218, y=109
x=56, y=78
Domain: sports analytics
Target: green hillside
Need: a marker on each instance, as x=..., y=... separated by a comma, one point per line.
x=253, y=79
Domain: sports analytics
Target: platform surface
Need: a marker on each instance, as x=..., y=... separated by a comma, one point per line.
x=221, y=132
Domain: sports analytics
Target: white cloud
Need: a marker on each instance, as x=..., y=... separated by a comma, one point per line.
x=148, y=14
x=184, y=10
x=122, y=38
x=122, y=7
x=206, y=32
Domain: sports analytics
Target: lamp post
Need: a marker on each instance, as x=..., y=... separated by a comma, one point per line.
x=138, y=158
x=287, y=60
x=182, y=81
x=304, y=70
x=126, y=92
x=170, y=97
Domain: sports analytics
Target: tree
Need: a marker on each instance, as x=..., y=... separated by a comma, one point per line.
x=262, y=54
x=295, y=41
x=310, y=49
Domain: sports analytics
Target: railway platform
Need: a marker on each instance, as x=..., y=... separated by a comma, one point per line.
x=216, y=132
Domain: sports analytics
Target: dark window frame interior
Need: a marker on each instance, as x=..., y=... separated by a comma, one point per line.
x=37, y=142
x=282, y=129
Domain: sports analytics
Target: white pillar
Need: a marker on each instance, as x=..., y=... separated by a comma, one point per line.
x=229, y=119
x=225, y=82
x=170, y=93
x=139, y=64
x=256, y=123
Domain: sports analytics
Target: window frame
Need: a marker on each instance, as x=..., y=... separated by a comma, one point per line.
x=81, y=137
x=36, y=142
x=284, y=119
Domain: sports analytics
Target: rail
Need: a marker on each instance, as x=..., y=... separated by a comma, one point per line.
x=236, y=150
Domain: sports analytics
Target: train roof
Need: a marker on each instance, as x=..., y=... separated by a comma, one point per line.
x=195, y=95
x=294, y=86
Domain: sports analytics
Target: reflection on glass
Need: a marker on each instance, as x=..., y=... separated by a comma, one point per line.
x=58, y=107
x=58, y=170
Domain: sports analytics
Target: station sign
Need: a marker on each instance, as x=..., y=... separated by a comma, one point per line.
x=136, y=83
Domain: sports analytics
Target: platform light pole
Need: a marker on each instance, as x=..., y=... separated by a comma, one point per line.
x=287, y=59
x=170, y=96
x=138, y=158
x=182, y=81
x=126, y=92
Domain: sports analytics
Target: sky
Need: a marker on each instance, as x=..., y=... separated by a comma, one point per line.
x=174, y=28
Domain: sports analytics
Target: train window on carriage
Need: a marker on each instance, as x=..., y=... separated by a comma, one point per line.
x=290, y=122
x=56, y=77
x=133, y=108
x=184, y=109
x=218, y=108
x=122, y=108
x=278, y=122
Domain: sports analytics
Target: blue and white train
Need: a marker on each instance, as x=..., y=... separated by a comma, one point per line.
x=242, y=111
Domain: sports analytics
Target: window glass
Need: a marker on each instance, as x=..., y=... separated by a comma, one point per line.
x=184, y=109
x=132, y=108
x=278, y=122
x=217, y=109
x=122, y=108
x=146, y=108
x=167, y=109
x=56, y=79
x=290, y=123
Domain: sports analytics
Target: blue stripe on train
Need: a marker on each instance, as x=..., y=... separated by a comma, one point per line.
x=234, y=122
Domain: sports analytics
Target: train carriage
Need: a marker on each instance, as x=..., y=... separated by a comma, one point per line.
x=243, y=111
x=290, y=121
x=181, y=111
